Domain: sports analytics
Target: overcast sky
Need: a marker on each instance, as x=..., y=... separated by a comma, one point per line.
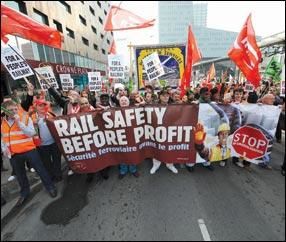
x=267, y=18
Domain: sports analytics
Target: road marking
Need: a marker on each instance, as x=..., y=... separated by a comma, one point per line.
x=204, y=230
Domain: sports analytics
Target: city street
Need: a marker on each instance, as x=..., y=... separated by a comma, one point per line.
x=229, y=203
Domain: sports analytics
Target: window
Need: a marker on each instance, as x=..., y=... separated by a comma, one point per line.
x=66, y=57
x=99, y=4
x=85, y=41
x=58, y=25
x=39, y=52
x=58, y=55
x=72, y=59
x=108, y=42
x=82, y=20
x=101, y=36
x=103, y=51
x=70, y=33
x=40, y=17
x=95, y=47
x=50, y=54
x=93, y=29
x=91, y=10
x=105, y=13
x=100, y=20
x=67, y=7
x=19, y=6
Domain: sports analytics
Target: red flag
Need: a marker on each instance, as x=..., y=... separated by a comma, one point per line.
x=113, y=48
x=121, y=19
x=16, y=23
x=193, y=56
x=246, y=54
x=211, y=73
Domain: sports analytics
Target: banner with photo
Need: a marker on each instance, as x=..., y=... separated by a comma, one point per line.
x=246, y=131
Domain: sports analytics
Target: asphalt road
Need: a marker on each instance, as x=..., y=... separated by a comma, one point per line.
x=233, y=204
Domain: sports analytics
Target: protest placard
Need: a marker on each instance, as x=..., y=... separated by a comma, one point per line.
x=116, y=66
x=249, y=88
x=48, y=73
x=66, y=81
x=94, y=81
x=153, y=66
x=15, y=63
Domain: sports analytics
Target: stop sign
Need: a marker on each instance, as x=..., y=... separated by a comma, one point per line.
x=249, y=142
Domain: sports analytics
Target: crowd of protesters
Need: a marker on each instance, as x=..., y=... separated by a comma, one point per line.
x=26, y=138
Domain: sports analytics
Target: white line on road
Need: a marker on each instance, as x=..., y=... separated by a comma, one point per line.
x=204, y=230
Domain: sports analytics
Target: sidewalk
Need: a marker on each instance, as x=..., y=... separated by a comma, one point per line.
x=11, y=190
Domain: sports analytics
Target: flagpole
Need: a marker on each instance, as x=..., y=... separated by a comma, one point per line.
x=130, y=62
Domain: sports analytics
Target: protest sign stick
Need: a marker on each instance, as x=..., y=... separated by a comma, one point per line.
x=26, y=80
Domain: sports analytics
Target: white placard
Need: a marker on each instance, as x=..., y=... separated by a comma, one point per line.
x=116, y=66
x=48, y=73
x=15, y=65
x=67, y=82
x=282, y=88
x=249, y=88
x=94, y=81
x=153, y=66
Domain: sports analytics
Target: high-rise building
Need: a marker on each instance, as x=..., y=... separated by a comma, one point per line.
x=174, y=18
x=200, y=14
x=81, y=23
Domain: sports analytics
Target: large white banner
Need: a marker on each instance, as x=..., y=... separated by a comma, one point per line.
x=153, y=66
x=67, y=82
x=48, y=73
x=249, y=131
x=94, y=81
x=15, y=65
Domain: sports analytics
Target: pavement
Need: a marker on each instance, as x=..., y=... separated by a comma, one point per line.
x=256, y=188
x=10, y=190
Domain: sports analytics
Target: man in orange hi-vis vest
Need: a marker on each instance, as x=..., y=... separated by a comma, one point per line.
x=17, y=143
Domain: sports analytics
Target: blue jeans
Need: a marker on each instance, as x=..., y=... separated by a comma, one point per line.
x=18, y=164
x=123, y=169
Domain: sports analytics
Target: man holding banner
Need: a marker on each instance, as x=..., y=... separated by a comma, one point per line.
x=17, y=131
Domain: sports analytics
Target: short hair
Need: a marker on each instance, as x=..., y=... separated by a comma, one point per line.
x=104, y=95
x=149, y=86
x=252, y=97
x=163, y=91
x=214, y=91
x=203, y=90
x=8, y=103
x=238, y=90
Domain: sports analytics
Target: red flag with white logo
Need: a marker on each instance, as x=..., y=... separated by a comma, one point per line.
x=246, y=54
x=16, y=23
x=121, y=19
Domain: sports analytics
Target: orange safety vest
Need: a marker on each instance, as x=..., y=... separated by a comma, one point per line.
x=15, y=138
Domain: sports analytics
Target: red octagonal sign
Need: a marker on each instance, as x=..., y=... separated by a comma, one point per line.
x=250, y=142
